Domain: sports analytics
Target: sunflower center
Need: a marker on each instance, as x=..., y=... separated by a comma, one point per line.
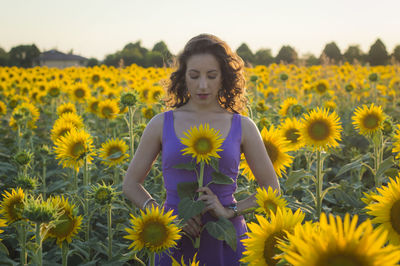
x=342, y=259
x=203, y=146
x=54, y=91
x=272, y=151
x=270, y=205
x=319, y=130
x=94, y=106
x=107, y=111
x=79, y=93
x=270, y=249
x=292, y=135
x=321, y=88
x=95, y=78
x=64, y=227
x=114, y=150
x=371, y=121
x=154, y=233
x=395, y=216
x=67, y=110
x=77, y=149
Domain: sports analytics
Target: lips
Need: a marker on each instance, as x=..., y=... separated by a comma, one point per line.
x=202, y=95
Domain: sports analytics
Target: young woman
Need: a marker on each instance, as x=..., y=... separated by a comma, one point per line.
x=207, y=87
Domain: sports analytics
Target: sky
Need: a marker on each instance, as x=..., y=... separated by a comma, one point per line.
x=95, y=28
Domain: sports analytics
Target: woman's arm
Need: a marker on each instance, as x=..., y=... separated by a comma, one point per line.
x=145, y=155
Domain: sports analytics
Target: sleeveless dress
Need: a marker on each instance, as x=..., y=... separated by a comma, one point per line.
x=211, y=251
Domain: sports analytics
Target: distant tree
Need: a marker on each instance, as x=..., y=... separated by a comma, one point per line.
x=153, y=59
x=132, y=53
x=354, y=53
x=162, y=48
x=311, y=60
x=396, y=53
x=245, y=53
x=377, y=54
x=287, y=55
x=263, y=57
x=24, y=56
x=3, y=57
x=332, y=51
x=112, y=59
x=92, y=62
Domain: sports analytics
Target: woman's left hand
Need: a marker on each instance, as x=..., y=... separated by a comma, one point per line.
x=213, y=204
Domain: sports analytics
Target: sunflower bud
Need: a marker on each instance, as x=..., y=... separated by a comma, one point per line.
x=253, y=78
x=296, y=110
x=283, y=77
x=349, y=87
x=264, y=123
x=128, y=99
x=23, y=158
x=387, y=127
x=40, y=211
x=373, y=77
x=103, y=194
x=26, y=182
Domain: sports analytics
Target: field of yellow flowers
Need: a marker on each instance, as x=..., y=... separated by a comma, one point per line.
x=332, y=133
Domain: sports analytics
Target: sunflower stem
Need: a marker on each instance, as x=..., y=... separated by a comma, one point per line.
x=152, y=258
x=319, y=184
x=64, y=251
x=44, y=189
x=87, y=215
x=21, y=230
x=131, y=112
x=75, y=180
x=39, y=254
x=109, y=227
x=201, y=175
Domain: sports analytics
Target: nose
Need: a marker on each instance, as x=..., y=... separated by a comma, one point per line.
x=203, y=83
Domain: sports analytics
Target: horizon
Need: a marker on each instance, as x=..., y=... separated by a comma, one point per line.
x=98, y=28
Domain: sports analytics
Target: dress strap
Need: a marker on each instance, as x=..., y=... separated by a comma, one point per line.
x=168, y=127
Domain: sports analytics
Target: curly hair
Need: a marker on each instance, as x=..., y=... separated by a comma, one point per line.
x=231, y=95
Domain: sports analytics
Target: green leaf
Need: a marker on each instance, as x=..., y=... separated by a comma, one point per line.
x=187, y=189
x=333, y=186
x=384, y=166
x=214, y=162
x=220, y=178
x=355, y=165
x=223, y=229
x=188, y=208
x=3, y=249
x=186, y=166
x=348, y=198
x=294, y=177
x=115, y=155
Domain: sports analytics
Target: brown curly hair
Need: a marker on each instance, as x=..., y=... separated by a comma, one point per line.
x=231, y=95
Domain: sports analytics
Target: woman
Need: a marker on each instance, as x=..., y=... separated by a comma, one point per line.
x=207, y=87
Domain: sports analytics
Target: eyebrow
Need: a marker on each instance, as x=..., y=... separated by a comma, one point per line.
x=193, y=70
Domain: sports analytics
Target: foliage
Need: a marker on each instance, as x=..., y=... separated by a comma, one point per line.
x=332, y=51
x=377, y=54
x=286, y=55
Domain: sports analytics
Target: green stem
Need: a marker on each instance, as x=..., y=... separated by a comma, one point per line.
x=116, y=176
x=86, y=181
x=39, y=245
x=131, y=112
x=21, y=230
x=44, y=189
x=201, y=174
x=75, y=180
x=64, y=251
x=319, y=184
x=109, y=227
x=152, y=258
x=18, y=136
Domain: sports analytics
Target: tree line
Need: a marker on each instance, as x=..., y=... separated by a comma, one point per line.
x=159, y=56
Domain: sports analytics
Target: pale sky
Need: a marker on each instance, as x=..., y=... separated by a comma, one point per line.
x=95, y=28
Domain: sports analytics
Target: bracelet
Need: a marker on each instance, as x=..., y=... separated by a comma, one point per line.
x=234, y=208
x=147, y=202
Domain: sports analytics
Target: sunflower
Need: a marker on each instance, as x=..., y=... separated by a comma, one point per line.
x=369, y=197
x=60, y=129
x=244, y=166
x=108, y=109
x=68, y=223
x=386, y=209
x=153, y=230
x=12, y=205
x=72, y=148
x=182, y=263
x=290, y=129
x=79, y=92
x=338, y=242
x=286, y=105
x=93, y=105
x=396, y=142
x=3, y=109
x=27, y=112
x=66, y=108
x=3, y=223
x=368, y=120
x=202, y=143
x=73, y=118
x=277, y=149
x=321, y=86
x=261, y=246
x=148, y=112
x=320, y=129
x=269, y=201
x=113, y=152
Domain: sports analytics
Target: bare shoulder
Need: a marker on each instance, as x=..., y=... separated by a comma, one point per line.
x=154, y=127
x=249, y=128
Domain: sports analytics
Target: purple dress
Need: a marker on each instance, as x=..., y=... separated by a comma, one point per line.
x=211, y=251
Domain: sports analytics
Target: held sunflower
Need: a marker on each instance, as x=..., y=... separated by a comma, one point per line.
x=337, y=242
x=368, y=120
x=202, y=143
x=154, y=230
x=321, y=129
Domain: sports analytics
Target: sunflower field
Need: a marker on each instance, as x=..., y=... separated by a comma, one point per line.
x=67, y=137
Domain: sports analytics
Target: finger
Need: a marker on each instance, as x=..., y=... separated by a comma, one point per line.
x=190, y=230
x=198, y=220
x=206, y=190
x=193, y=224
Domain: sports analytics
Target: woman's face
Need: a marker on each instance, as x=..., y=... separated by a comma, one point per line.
x=203, y=78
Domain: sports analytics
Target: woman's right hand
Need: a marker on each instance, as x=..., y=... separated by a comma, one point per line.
x=193, y=226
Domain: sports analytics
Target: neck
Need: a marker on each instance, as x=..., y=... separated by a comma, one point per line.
x=202, y=108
